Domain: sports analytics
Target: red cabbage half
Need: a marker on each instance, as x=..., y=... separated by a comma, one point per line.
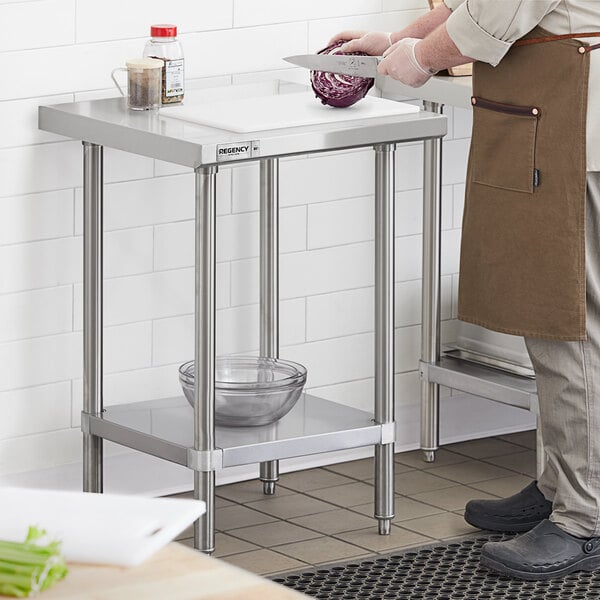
x=339, y=90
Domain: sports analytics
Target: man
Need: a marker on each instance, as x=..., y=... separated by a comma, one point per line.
x=530, y=259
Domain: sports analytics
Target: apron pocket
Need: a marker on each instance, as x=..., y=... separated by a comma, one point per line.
x=504, y=139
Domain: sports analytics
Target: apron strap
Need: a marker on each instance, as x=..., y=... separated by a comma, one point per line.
x=564, y=36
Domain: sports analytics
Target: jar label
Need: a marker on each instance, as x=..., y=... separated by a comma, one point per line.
x=173, y=78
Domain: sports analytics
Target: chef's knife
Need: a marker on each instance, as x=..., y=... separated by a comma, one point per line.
x=344, y=64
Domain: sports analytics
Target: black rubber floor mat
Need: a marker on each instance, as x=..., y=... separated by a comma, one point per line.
x=442, y=572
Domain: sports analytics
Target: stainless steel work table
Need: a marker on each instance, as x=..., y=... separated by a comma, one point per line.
x=168, y=428
x=435, y=368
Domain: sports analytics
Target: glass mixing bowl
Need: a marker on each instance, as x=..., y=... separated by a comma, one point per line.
x=250, y=391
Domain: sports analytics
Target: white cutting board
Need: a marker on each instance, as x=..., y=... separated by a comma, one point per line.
x=246, y=115
x=97, y=528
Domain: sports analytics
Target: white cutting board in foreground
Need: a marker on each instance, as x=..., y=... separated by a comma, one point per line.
x=97, y=528
x=245, y=115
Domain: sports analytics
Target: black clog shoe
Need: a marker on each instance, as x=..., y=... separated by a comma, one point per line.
x=545, y=552
x=516, y=514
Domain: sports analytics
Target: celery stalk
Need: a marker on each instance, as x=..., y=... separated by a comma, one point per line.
x=31, y=566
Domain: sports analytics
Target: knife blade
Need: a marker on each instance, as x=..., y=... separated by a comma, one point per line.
x=344, y=64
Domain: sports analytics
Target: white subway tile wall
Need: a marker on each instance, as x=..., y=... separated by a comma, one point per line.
x=61, y=50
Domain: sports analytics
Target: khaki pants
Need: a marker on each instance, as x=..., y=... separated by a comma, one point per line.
x=568, y=382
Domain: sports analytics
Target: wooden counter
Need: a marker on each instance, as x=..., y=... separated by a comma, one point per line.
x=174, y=573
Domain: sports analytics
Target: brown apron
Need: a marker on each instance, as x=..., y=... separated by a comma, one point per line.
x=522, y=268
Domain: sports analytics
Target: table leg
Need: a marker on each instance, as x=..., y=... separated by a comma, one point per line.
x=430, y=327
x=269, y=285
x=92, y=310
x=204, y=350
x=384, y=331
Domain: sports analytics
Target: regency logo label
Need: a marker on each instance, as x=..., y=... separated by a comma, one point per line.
x=238, y=151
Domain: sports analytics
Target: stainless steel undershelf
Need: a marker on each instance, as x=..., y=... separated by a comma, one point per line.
x=482, y=381
x=164, y=428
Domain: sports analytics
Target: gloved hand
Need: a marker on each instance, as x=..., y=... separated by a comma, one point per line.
x=400, y=62
x=344, y=36
x=374, y=43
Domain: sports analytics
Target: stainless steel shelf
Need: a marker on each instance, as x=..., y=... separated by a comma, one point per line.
x=479, y=380
x=493, y=362
x=164, y=428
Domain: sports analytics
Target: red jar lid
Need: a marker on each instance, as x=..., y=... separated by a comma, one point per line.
x=163, y=30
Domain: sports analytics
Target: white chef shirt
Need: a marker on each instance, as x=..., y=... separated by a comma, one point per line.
x=486, y=29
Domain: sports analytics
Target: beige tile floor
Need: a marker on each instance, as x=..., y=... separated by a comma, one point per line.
x=324, y=515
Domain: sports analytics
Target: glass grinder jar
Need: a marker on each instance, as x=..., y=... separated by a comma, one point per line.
x=164, y=45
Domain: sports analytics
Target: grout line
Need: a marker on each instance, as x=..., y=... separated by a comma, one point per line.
x=74, y=224
x=73, y=307
x=516, y=443
x=230, y=290
x=37, y=434
x=153, y=248
x=307, y=224
x=42, y=240
x=72, y=421
x=400, y=525
x=75, y=4
x=152, y=333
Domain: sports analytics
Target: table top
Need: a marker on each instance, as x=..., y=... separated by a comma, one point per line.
x=452, y=91
x=174, y=573
x=107, y=122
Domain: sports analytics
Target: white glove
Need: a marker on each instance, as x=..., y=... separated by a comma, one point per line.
x=374, y=43
x=400, y=62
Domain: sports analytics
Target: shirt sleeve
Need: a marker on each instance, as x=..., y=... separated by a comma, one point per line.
x=453, y=4
x=486, y=29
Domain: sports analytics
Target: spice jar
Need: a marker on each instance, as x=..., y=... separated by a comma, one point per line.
x=143, y=83
x=164, y=45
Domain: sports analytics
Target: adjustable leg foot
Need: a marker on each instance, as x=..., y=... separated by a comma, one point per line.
x=269, y=488
x=269, y=475
x=384, y=487
x=385, y=526
x=429, y=456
